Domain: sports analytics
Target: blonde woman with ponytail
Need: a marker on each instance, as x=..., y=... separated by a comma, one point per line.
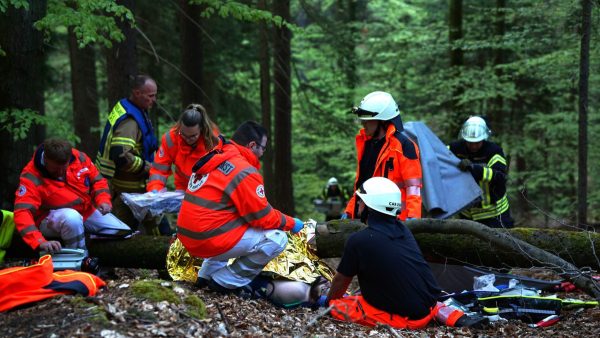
x=191, y=138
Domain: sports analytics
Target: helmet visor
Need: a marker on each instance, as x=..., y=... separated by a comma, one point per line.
x=361, y=113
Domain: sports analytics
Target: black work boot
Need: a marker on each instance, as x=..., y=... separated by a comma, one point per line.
x=201, y=283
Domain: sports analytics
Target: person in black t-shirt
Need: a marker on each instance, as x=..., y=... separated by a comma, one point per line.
x=397, y=285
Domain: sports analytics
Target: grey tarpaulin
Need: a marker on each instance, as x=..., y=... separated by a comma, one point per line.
x=446, y=189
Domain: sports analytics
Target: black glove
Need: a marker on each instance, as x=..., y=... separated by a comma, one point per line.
x=465, y=164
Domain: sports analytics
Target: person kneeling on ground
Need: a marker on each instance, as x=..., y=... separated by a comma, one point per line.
x=397, y=285
x=62, y=195
x=225, y=213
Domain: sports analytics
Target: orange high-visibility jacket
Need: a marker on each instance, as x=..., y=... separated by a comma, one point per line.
x=392, y=164
x=174, y=150
x=22, y=285
x=224, y=197
x=38, y=193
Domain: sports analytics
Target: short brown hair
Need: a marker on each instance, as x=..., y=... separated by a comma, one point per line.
x=58, y=150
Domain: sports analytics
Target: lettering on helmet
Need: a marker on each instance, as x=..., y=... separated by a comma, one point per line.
x=260, y=191
x=226, y=167
x=195, y=184
x=22, y=190
x=395, y=204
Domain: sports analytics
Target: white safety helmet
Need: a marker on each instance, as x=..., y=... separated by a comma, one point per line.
x=332, y=181
x=475, y=129
x=381, y=194
x=377, y=106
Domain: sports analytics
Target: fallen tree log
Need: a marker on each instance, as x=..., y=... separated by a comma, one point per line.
x=445, y=240
x=500, y=246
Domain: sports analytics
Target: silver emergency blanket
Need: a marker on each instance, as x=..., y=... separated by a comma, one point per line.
x=153, y=203
x=446, y=189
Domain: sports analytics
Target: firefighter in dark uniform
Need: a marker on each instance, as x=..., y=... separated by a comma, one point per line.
x=485, y=160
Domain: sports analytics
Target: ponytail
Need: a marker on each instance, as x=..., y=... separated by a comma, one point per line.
x=193, y=115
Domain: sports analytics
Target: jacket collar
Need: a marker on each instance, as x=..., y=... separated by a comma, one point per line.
x=221, y=153
x=38, y=161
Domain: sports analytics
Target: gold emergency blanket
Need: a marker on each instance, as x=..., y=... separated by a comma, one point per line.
x=297, y=262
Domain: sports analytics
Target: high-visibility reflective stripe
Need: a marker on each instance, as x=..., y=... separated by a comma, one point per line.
x=161, y=167
x=259, y=214
x=169, y=139
x=26, y=206
x=157, y=177
x=99, y=191
x=66, y=205
x=36, y=180
x=413, y=182
x=231, y=225
x=181, y=173
x=496, y=158
x=97, y=178
x=201, y=235
x=73, y=240
x=283, y=222
x=125, y=141
x=238, y=267
x=128, y=184
x=493, y=211
x=216, y=206
x=28, y=229
x=81, y=157
x=487, y=174
x=136, y=165
x=236, y=181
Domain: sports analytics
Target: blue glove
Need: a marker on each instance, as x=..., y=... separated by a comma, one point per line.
x=344, y=216
x=322, y=301
x=298, y=225
x=154, y=191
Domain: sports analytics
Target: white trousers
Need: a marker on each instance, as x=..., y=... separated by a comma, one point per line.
x=68, y=225
x=255, y=250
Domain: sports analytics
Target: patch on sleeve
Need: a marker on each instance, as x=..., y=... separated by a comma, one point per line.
x=195, y=183
x=161, y=152
x=226, y=167
x=260, y=191
x=22, y=190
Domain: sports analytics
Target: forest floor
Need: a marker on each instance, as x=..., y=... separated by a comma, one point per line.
x=132, y=306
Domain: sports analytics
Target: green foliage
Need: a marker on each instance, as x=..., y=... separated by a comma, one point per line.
x=238, y=11
x=93, y=21
x=4, y=4
x=18, y=122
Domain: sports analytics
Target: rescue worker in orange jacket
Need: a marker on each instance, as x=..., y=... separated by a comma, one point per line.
x=225, y=213
x=383, y=150
x=61, y=195
x=182, y=146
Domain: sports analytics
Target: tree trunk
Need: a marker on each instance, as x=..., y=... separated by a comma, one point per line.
x=495, y=118
x=85, y=96
x=121, y=59
x=192, y=57
x=21, y=87
x=444, y=240
x=584, y=74
x=284, y=192
x=456, y=62
x=265, y=100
